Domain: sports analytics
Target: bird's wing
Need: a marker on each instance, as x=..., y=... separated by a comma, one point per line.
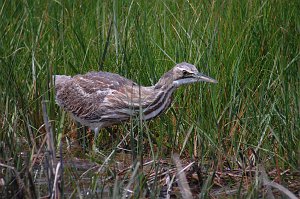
x=96, y=81
x=94, y=96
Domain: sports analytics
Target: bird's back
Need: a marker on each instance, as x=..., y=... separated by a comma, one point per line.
x=100, y=99
x=93, y=98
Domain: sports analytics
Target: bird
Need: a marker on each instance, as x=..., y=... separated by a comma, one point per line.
x=102, y=99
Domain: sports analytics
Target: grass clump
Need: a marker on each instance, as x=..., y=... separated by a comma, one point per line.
x=250, y=47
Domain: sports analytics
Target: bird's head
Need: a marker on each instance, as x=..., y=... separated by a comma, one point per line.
x=185, y=73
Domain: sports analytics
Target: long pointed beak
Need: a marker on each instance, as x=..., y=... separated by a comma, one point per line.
x=205, y=78
x=194, y=78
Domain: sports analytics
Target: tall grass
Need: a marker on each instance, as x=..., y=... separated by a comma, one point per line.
x=250, y=47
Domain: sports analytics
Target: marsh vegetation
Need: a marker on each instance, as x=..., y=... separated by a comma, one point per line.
x=239, y=138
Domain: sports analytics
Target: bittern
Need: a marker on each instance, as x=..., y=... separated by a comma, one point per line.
x=102, y=99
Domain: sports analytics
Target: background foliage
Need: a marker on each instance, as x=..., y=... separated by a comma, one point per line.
x=250, y=47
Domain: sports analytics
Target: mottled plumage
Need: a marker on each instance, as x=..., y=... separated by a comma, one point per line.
x=101, y=99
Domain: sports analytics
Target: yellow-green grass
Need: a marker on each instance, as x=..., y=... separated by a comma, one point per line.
x=250, y=47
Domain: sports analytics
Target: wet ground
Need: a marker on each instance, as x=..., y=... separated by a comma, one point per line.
x=88, y=178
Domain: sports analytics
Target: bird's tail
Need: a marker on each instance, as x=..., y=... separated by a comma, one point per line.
x=60, y=79
x=59, y=82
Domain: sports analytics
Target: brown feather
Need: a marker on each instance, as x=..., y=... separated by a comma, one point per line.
x=100, y=99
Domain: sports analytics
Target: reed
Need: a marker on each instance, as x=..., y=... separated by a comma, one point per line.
x=250, y=47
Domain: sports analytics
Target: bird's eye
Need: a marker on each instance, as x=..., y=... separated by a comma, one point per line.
x=185, y=73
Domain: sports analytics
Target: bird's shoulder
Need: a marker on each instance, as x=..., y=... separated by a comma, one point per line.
x=101, y=81
x=101, y=84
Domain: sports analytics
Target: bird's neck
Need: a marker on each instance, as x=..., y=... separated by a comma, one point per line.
x=147, y=95
x=156, y=99
x=153, y=100
x=165, y=81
